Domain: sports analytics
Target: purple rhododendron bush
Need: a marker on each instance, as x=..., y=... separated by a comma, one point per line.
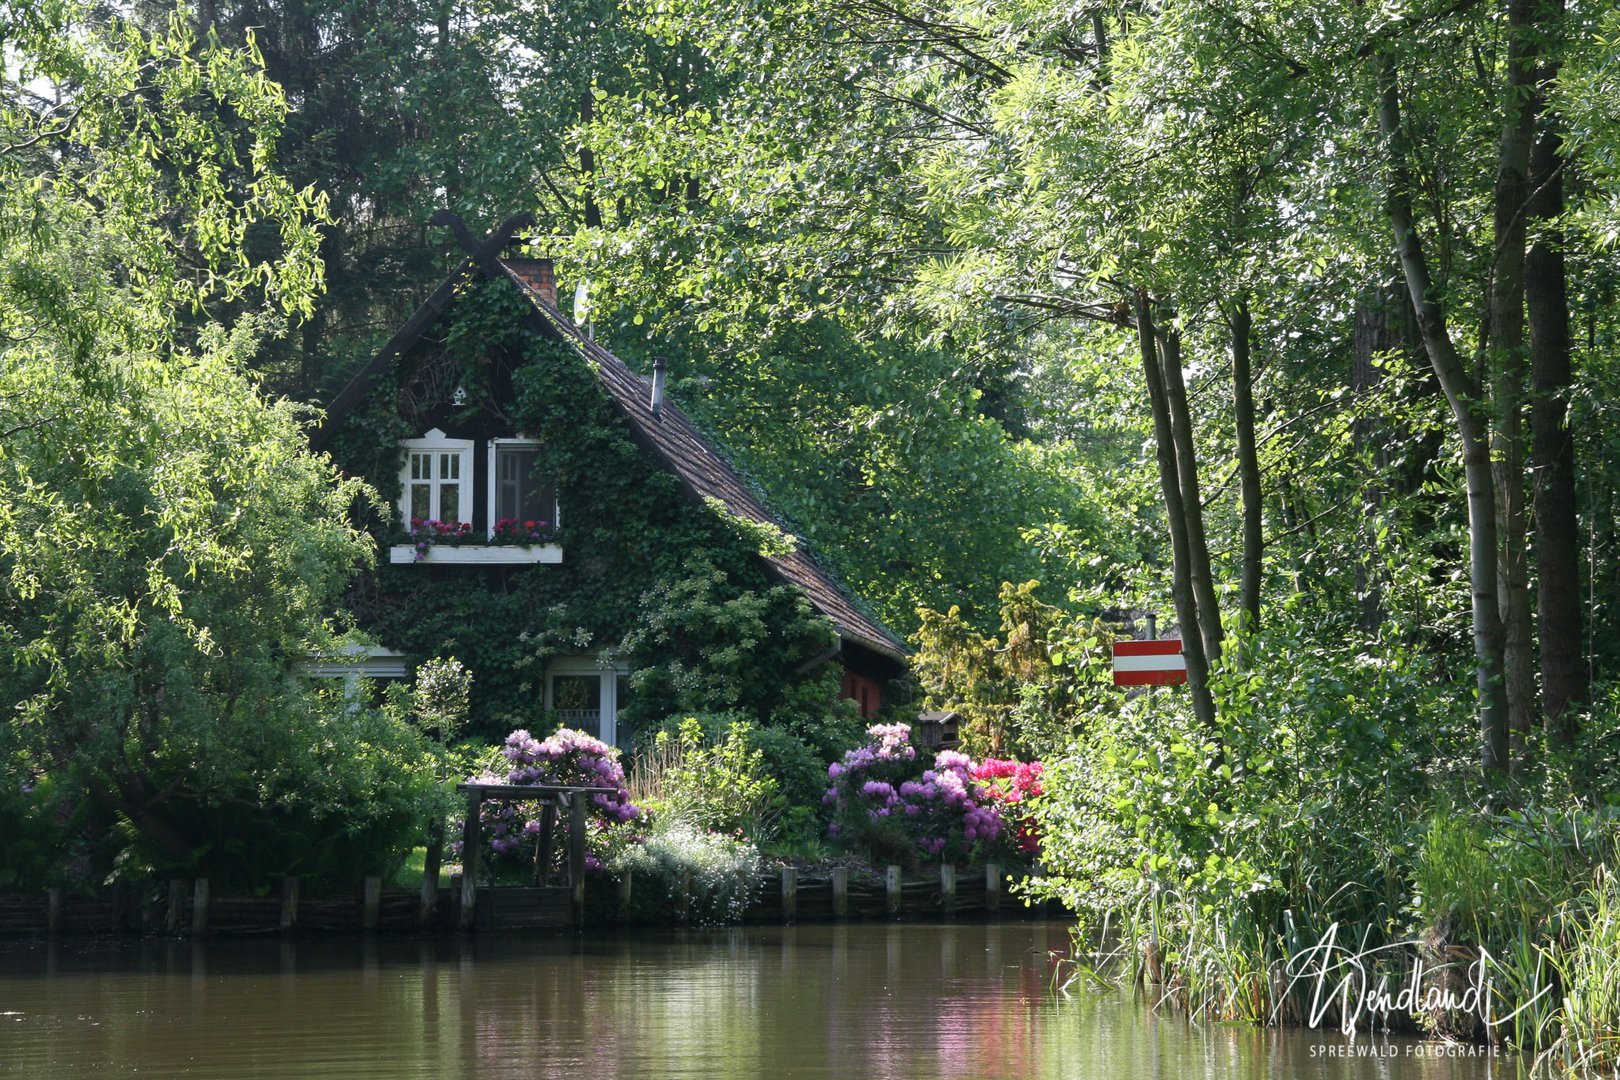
x=887, y=802
x=570, y=758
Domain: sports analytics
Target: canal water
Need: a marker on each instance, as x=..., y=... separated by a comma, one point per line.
x=853, y=1001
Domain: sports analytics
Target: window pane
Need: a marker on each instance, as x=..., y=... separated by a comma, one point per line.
x=518, y=494
x=577, y=691
x=506, y=483
x=538, y=503
x=449, y=502
x=621, y=698
x=578, y=701
x=421, y=501
x=508, y=464
x=533, y=504
x=421, y=466
x=449, y=466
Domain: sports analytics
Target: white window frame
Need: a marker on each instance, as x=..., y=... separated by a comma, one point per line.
x=609, y=670
x=435, y=442
x=354, y=663
x=493, y=479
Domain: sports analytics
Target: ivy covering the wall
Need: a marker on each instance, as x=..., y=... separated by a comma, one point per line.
x=675, y=587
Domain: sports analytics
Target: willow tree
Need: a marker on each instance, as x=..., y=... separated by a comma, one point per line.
x=169, y=549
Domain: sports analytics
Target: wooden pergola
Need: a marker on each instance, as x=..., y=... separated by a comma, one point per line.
x=555, y=798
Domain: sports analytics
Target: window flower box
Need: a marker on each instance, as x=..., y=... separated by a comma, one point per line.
x=476, y=554
x=455, y=543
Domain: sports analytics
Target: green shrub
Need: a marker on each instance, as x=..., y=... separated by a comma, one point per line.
x=32, y=837
x=441, y=697
x=1589, y=971
x=1480, y=880
x=717, y=784
x=812, y=712
x=340, y=791
x=1239, y=845
x=800, y=774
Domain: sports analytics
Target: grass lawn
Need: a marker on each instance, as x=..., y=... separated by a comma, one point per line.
x=409, y=874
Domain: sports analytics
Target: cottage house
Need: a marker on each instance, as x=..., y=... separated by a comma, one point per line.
x=563, y=527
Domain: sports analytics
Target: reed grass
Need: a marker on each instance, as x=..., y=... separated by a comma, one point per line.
x=1553, y=976
x=1588, y=967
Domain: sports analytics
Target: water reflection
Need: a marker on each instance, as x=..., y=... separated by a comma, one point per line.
x=889, y=1000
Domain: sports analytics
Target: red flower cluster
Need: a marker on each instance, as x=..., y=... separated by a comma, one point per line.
x=434, y=528
x=513, y=531
x=425, y=532
x=1008, y=782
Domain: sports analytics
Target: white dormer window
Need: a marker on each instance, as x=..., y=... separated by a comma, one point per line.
x=436, y=484
x=436, y=479
x=516, y=494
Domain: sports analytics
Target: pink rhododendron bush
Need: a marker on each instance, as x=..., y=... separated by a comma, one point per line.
x=570, y=758
x=885, y=799
x=1007, y=784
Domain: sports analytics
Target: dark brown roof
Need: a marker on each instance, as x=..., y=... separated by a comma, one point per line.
x=671, y=437
x=705, y=473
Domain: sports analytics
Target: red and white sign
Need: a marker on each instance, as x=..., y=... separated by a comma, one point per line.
x=1149, y=663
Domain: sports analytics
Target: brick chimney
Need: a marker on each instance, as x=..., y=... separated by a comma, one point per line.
x=538, y=275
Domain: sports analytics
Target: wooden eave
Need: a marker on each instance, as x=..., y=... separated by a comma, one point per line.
x=481, y=257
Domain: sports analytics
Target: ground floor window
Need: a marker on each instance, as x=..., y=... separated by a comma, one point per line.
x=588, y=693
x=362, y=668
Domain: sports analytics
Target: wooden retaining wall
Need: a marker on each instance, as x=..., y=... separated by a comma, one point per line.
x=189, y=907
x=791, y=895
x=182, y=907
x=525, y=908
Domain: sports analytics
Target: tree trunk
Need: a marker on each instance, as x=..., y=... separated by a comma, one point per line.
x=1241, y=325
x=587, y=161
x=1507, y=365
x=1377, y=332
x=1192, y=647
x=132, y=799
x=1552, y=449
x=1198, y=569
x=1462, y=394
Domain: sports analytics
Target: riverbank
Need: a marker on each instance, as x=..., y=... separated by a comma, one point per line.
x=1332, y=889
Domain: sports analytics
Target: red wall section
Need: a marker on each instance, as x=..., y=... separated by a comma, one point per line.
x=865, y=692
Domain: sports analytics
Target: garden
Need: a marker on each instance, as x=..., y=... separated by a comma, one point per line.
x=701, y=822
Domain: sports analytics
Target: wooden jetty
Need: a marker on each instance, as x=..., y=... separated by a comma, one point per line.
x=540, y=905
